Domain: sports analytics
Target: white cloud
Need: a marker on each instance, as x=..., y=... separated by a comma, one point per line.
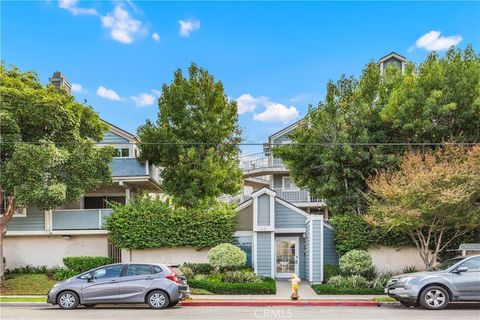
x=77, y=87
x=123, y=27
x=433, y=41
x=186, y=27
x=71, y=5
x=143, y=99
x=247, y=103
x=157, y=92
x=156, y=36
x=108, y=94
x=276, y=112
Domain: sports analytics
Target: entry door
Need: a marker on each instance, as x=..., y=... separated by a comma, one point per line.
x=286, y=256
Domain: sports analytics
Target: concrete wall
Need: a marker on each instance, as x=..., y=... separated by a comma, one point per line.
x=50, y=250
x=166, y=255
x=394, y=259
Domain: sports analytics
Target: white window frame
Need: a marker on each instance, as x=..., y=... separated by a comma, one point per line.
x=290, y=189
x=120, y=152
x=18, y=213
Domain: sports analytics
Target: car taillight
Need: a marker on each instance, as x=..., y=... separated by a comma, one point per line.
x=172, y=276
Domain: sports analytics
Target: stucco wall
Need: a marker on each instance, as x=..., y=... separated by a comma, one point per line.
x=50, y=250
x=394, y=259
x=166, y=255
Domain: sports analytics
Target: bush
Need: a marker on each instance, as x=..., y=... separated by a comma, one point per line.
x=267, y=286
x=226, y=255
x=63, y=273
x=197, y=268
x=330, y=289
x=28, y=269
x=409, y=269
x=381, y=280
x=85, y=263
x=241, y=276
x=152, y=223
x=330, y=270
x=355, y=262
x=348, y=282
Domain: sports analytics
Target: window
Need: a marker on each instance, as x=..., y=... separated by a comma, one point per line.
x=108, y=272
x=21, y=211
x=139, y=270
x=157, y=269
x=102, y=202
x=472, y=264
x=122, y=153
x=288, y=184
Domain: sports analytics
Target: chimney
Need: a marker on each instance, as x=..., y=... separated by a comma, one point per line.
x=59, y=81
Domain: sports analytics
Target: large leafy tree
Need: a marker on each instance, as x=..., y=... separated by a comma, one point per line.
x=340, y=143
x=47, y=146
x=195, y=139
x=430, y=196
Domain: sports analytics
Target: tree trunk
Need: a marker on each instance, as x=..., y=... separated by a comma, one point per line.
x=7, y=216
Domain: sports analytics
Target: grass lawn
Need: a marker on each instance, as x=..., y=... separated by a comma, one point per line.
x=384, y=299
x=22, y=299
x=26, y=284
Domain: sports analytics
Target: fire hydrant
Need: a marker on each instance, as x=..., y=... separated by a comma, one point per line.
x=295, y=280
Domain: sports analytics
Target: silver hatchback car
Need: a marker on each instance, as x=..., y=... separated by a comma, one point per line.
x=158, y=285
x=456, y=279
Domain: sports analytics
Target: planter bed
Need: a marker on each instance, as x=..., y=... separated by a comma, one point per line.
x=218, y=287
x=329, y=289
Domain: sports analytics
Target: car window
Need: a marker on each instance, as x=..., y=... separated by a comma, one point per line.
x=157, y=269
x=447, y=264
x=139, y=270
x=472, y=264
x=108, y=272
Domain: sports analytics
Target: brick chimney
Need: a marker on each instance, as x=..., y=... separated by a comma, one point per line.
x=59, y=81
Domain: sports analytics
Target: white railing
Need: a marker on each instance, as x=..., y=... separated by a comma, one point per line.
x=79, y=219
x=260, y=160
x=234, y=199
x=295, y=195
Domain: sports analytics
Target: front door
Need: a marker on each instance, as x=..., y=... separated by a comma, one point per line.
x=286, y=256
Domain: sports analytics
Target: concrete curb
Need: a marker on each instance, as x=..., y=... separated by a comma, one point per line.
x=270, y=303
x=24, y=304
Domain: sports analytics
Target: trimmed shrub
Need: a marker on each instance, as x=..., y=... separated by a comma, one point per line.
x=355, y=262
x=197, y=268
x=330, y=289
x=226, y=255
x=28, y=269
x=63, y=273
x=348, y=282
x=241, y=276
x=267, y=286
x=330, y=270
x=85, y=263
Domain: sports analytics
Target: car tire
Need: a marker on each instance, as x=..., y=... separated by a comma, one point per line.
x=89, y=306
x=68, y=300
x=158, y=299
x=434, y=298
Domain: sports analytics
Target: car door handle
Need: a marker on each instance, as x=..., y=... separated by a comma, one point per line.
x=113, y=280
x=148, y=278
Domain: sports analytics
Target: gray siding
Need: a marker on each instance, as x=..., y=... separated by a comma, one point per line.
x=330, y=255
x=282, y=139
x=307, y=250
x=245, y=243
x=34, y=221
x=245, y=219
x=301, y=257
x=264, y=254
x=127, y=167
x=263, y=210
x=287, y=218
x=317, y=253
x=113, y=138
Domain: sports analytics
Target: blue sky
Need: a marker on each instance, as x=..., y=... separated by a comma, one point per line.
x=274, y=57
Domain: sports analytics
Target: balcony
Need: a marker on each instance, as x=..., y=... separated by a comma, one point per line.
x=130, y=169
x=262, y=163
x=234, y=199
x=297, y=196
x=79, y=219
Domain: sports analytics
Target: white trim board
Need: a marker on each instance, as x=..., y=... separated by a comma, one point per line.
x=263, y=190
x=291, y=206
x=290, y=230
x=244, y=204
x=243, y=233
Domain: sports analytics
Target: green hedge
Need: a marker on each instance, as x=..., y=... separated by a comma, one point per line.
x=84, y=263
x=219, y=287
x=152, y=223
x=329, y=289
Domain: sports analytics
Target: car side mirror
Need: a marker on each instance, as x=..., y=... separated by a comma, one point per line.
x=90, y=278
x=461, y=269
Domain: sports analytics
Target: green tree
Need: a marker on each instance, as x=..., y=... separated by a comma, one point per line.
x=339, y=142
x=47, y=146
x=432, y=194
x=194, y=139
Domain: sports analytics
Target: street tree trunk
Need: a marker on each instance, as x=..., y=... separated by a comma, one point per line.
x=7, y=216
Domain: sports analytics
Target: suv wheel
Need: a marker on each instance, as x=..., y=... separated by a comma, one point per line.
x=158, y=300
x=68, y=300
x=434, y=298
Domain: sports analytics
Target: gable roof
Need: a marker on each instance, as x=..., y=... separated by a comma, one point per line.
x=285, y=130
x=392, y=54
x=125, y=134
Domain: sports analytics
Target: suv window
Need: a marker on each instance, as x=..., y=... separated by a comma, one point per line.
x=157, y=269
x=108, y=272
x=139, y=270
x=472, y=264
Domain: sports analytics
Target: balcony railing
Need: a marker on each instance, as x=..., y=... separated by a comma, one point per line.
x=260, y=160
x=296, y=196
x=234, y=199
x=79, y=219
x=131, y=167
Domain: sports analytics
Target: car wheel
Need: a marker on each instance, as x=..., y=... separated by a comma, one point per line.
x=89, y=306
x=158, y=300
x=434, y=298
x=68, y=300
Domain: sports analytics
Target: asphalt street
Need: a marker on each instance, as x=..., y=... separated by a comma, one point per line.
x=392, y=312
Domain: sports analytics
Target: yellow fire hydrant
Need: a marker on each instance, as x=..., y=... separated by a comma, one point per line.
x=295, y=280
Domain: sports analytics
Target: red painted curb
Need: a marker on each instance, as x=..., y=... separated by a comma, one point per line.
x=267, y=303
